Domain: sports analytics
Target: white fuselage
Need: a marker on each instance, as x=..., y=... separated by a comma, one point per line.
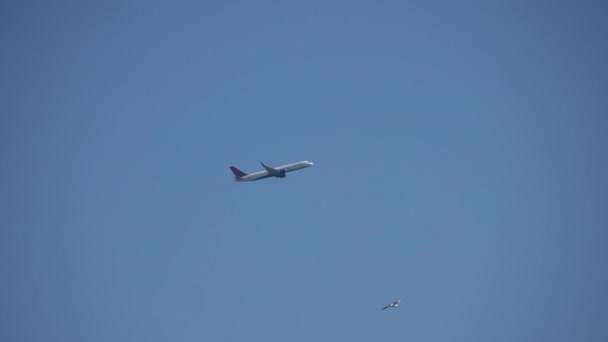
x=265, y=174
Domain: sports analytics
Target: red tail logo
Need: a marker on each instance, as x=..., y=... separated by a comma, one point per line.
x=237, y=173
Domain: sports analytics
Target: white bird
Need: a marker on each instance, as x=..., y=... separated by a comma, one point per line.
x=394, y=304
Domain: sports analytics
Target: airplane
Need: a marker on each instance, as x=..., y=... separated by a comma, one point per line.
x=278, y=172
x=394, y=304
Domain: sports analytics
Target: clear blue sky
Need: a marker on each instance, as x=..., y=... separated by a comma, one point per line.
x=460, y=166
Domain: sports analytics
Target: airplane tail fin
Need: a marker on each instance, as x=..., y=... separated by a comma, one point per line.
x=237, y=173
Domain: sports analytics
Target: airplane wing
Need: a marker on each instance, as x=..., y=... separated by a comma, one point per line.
x=388, y=306
x=270, y=170
x=274, y=172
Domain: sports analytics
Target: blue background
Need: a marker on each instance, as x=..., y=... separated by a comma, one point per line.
x=460, y=166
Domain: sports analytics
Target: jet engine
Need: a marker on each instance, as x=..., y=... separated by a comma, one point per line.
x=281, y=174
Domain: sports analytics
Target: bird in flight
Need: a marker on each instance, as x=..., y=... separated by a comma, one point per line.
x=394, y=304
